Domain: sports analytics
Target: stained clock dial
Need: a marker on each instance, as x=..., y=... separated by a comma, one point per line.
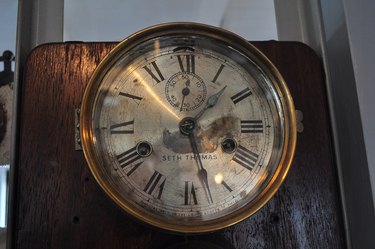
x=185, y=130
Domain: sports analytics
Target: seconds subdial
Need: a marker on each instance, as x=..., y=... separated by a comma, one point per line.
x=185, y=91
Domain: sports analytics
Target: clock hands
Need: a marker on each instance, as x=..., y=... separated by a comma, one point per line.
x=202, y=172
x=188, y=127
x=212, y=100
x=185, y=92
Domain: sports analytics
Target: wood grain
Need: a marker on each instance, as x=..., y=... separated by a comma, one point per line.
x=59, y=204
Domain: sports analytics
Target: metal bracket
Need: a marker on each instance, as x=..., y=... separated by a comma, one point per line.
x=77, y=134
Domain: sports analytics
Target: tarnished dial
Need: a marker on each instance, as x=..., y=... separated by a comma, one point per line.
x=188, y=127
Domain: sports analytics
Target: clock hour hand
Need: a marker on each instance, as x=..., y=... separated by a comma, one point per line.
x=212, y=100
x=202, y=172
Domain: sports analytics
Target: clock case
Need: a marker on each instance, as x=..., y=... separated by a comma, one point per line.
x=58, y=203
x=206, y=38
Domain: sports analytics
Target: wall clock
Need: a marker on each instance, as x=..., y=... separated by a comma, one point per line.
x=188, y=127
x=58, y=204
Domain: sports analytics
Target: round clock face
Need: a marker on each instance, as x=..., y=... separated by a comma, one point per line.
x=188, y=127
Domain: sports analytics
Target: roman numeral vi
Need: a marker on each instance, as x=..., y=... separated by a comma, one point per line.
x=190, y=196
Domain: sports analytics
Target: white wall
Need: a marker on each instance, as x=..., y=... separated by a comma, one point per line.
x=8, y=22
x=113, y=20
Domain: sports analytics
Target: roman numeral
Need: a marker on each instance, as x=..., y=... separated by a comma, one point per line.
x=218, y=73
x=226, y=186
x=153, y=182
x=127, y=128
x=189, y=61
x=190, y=196
x=130, y=159
x=241, y=95
x=251, y=126
x=153, y=67
x=245, y=157
x=130, y=96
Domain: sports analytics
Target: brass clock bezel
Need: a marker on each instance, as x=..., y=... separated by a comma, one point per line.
x=290, y=135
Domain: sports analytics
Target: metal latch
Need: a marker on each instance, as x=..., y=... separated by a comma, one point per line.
x=299, y=119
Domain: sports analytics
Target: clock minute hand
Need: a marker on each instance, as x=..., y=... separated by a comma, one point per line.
x=202, y=172
x=212, y=100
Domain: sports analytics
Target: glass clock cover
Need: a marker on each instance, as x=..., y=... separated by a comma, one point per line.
x=188, y=127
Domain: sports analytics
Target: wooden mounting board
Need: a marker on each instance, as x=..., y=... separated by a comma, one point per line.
x=58, y=204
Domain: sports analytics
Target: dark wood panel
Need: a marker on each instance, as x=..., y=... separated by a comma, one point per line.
x=59, y=205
